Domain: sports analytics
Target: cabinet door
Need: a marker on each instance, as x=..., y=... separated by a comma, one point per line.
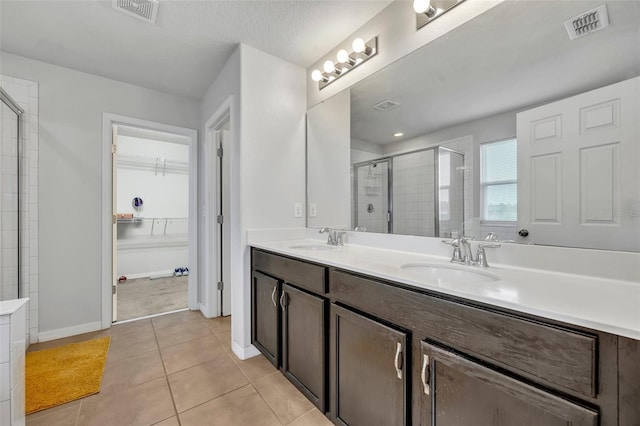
x=265, y=330
x=304, y=343
x=369, y=365
x=458, y=391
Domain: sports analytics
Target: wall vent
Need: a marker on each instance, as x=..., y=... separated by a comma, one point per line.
x=386, y=105
x=588, y=22
x=147, y=10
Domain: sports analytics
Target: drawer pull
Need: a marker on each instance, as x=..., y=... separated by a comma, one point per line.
x=282, y=300
x=425, y=374
x=396, y=361
x=273, y=296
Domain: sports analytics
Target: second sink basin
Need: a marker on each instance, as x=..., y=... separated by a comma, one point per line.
x=446, y=274
x=317, y=247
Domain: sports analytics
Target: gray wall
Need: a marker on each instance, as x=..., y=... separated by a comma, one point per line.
x=71, y=106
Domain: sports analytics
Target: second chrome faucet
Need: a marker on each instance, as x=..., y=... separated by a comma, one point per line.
x=462, y=250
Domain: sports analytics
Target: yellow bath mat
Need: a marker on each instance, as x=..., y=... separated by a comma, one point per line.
x=59, y=375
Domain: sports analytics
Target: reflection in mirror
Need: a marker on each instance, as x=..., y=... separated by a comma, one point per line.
x=509, y=81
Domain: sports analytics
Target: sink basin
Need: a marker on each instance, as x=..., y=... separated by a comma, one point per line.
x=446, y=274
x=317, y=247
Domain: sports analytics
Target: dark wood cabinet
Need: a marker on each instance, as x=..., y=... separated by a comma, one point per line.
x=458, y=391
x=369, y=371
x=375, y=352
x=265, y=335
x=289, y=321
x=304, y=342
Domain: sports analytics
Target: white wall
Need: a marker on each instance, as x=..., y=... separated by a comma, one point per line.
x=71, y=106
x=267, y=152
x=328, y=168
x=226, y=88
x=272, y=159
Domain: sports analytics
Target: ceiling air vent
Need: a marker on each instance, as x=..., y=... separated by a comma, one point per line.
x=588, y=22
x=146, y=10
x=386, y=105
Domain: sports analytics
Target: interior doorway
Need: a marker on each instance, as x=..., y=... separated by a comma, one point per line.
x=217, y=280
x=150, y=200
x=152, y=205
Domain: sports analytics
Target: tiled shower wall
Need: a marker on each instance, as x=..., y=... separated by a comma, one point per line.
x=413, y=194
x=25, y=93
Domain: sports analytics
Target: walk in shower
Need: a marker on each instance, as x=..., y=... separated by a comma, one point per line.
x=10, y=150
x=415, y=193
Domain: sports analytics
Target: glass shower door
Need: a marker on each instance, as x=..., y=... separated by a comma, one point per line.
x=372, y=196
x=9, y=220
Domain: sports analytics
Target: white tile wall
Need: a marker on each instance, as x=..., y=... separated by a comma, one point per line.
x=25, y=93
x=13, y=334
x=413, y=194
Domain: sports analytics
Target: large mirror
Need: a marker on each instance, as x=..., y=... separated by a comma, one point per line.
x=506, y=125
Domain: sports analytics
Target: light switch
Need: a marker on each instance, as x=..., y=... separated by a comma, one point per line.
x=297, y=209
x=313, y=210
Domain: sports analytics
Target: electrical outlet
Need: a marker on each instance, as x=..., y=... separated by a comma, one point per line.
x=297, y=209
x=313, y=210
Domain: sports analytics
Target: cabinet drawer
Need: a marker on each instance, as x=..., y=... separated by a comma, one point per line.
x=302, y=274
x=562, y=357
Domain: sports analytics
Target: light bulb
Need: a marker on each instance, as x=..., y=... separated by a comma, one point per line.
x=358, y=45
x=316, y=75
x=343, y=56
x=421, y=6
x=398, y=134
x=329, y=66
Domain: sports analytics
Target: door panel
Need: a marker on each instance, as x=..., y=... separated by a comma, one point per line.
x=304, y=343
x=265, y=317
x=368, y=371
x=578, y=180
x=457, y=391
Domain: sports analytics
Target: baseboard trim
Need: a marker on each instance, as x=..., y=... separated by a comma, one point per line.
x=244, y=353
x=206, y=312
x=59, y=333
x=148, y=274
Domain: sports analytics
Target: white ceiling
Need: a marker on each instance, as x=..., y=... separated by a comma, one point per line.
x=513, y=56
x=190, y=42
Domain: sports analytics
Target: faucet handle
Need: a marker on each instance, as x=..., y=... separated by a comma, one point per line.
x=481, y=256
x=339, y=238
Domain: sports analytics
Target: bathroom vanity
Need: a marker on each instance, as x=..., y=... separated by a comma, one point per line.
x=371, y=349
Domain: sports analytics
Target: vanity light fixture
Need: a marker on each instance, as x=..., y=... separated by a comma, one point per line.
x=428, y=10
x=331, y=71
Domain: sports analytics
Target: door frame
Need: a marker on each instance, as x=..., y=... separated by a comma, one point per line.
x=210, y=300
x=108, y=120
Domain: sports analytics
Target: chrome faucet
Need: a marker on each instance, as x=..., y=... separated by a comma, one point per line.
x=336, y=238
x=463, y=254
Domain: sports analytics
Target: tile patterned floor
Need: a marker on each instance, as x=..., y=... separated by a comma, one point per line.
x=178, y=369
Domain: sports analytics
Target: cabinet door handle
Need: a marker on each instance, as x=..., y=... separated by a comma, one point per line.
x=396, y=361
x=282, y=300
x=425, y=374
x=273, y=296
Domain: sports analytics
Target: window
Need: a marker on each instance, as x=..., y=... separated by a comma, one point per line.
x=498, y=181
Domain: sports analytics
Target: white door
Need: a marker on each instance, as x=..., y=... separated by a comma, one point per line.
x=578, y=173
x=114, y=207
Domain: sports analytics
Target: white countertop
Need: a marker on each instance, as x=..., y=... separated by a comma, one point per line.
x=8, y=307
x=608, y=305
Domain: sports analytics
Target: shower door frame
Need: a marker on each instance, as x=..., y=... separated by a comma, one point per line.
x=13, y=105
x=436, y=183
x=389, y=161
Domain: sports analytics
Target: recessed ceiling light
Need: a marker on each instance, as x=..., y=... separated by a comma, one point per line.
x=397, y=135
